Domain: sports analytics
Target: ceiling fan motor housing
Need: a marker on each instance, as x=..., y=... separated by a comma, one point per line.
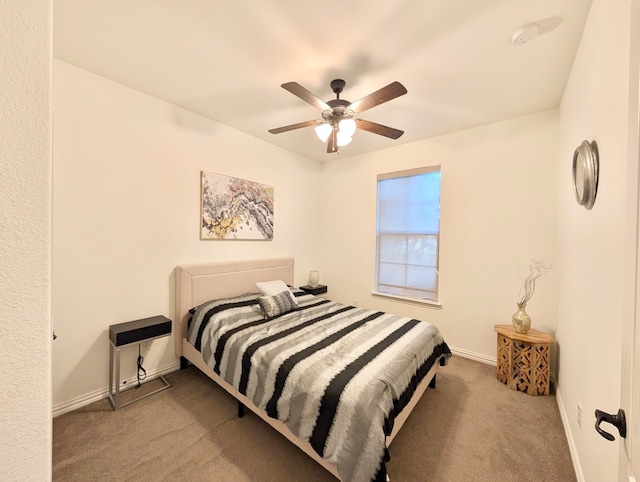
x=337, y=86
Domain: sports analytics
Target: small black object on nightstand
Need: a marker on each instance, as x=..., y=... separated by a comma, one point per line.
x=316, y=290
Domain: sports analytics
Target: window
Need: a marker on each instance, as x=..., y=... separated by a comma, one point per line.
x=408, y=233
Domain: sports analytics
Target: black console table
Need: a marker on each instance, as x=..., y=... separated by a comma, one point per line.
x=129, y=333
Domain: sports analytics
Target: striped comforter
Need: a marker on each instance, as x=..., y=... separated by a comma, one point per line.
x=336, y=375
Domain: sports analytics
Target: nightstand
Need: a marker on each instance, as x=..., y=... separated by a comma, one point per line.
x=318, y=290
x=523, y=359
x=130, y=333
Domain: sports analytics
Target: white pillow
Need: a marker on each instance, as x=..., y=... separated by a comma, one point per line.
x=270, y=288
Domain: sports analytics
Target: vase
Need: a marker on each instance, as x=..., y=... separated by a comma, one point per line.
x=314, y=278
x=521, y=320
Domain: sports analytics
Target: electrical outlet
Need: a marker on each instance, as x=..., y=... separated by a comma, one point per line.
x=579, y=415
x=146, y=345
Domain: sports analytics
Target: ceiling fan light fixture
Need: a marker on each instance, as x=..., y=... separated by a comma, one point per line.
x=323, y=131
x=347, y=126
x=342, y=139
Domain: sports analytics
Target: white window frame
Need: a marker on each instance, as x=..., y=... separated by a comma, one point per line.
x=408, y=293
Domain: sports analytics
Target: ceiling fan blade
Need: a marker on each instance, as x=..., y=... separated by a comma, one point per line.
x=375, y=128
x=391, y=91
x=332, y=142
x=292, y=127
x=304, y=94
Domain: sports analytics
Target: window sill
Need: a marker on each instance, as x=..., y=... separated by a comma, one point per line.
x=404, y=299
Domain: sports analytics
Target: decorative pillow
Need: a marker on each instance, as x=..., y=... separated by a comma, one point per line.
x=278, y=304
x=270, y=288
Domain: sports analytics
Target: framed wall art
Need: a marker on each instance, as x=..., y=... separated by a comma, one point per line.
x=234, y=208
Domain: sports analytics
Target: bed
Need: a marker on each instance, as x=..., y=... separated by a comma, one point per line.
x=327, y=423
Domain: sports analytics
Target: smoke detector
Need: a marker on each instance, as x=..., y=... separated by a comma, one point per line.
x=525, y=34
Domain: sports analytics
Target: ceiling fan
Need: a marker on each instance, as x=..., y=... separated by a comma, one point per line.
x=339, y=120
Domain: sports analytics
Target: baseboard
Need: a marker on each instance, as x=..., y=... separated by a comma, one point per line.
x=577, y=466
x=489, y=360
x=96, y=395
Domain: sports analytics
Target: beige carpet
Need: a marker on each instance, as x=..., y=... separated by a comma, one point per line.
x=470, y=428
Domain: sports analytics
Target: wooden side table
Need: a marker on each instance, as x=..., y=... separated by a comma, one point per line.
x=524, y=360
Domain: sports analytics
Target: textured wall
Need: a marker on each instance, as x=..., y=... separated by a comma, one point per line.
x=25, y=228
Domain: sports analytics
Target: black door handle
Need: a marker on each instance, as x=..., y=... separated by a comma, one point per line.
x=618, y=420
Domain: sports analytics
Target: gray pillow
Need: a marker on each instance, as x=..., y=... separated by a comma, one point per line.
x=278, y=304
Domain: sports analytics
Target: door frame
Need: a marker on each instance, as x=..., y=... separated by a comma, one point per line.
x=629, y=451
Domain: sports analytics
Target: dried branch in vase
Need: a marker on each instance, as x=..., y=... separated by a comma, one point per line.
x=537, y=269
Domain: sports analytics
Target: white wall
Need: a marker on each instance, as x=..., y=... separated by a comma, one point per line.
x=497, y=213
x=25, y=230
x=126, y=209
x=591, y=243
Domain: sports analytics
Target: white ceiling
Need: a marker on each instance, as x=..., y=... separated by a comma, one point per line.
x=227, y=59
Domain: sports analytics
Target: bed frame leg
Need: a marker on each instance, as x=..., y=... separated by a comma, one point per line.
x=240, y=410
x=184, y=363
x=432, y=383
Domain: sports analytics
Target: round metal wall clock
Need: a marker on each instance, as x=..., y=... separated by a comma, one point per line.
x=586, y=165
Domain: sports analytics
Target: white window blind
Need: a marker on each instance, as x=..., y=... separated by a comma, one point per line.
x=408, y=233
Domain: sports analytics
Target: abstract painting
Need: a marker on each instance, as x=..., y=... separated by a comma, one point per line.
x=234, y=208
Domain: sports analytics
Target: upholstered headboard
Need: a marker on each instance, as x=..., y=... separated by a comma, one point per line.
x=197, y=283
